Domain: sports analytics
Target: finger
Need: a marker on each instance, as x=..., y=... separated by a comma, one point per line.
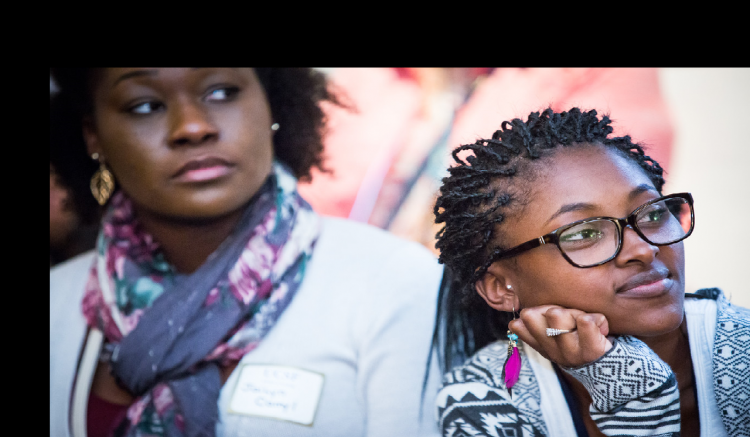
x=567, y=343
x=562, y=318
x=592, y=342
x=536, y=323
x=603, y=324
x=519, y=328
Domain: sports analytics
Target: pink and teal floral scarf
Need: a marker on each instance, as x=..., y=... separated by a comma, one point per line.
x=168, y=333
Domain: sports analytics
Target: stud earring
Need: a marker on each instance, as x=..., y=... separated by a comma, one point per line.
x=508, y=287
x=512, y=366
x=103, y=182
x=275, y=127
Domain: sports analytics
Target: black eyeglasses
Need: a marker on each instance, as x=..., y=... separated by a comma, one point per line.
x=597, y=240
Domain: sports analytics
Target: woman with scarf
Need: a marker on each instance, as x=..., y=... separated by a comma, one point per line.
x=216, y=301
x=567, y=314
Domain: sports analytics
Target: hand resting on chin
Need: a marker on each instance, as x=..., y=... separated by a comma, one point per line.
x=587, y=342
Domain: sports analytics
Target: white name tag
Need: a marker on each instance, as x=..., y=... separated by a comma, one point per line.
x=278, y=392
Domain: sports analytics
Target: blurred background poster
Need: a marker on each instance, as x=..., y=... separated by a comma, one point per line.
x=388, y=154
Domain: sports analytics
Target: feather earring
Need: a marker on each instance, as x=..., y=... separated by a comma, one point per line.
x=512, y=366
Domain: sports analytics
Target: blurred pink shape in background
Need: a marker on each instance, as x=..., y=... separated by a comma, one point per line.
x=388, y=157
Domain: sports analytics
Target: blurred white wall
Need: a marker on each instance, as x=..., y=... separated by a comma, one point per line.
x=710, y=110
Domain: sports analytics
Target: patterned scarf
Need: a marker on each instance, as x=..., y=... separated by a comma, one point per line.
x=168, y=333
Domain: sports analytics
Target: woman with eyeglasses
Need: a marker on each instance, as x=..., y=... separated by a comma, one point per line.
x=568, y=293
x=217, y=302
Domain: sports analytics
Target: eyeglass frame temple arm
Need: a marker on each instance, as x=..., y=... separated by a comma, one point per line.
x=531, y=244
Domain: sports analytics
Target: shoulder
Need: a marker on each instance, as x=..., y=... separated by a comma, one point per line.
x=383, y=282
x=714, y=299
x=67, y=283
x=71, y=274
x=730, y=310
x=485, y=366
x=478, y=379
x=75, y=264
x=374, y=241
x=730, y=362
x=474, y=400
x=370, y=254
x=732, y=331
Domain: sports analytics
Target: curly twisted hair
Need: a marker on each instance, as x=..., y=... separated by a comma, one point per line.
x=478, y=195
x=294, y=96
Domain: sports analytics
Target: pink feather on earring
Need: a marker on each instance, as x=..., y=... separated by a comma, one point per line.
x=512, y=366
x=512, y=370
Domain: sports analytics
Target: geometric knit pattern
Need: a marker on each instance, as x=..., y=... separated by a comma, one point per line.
x=633, y=381
x=732, y=366
x=634, y=393
x=629, y=370
x=478, y=404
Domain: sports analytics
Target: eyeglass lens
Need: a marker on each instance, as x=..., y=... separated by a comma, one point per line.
x=590, y=243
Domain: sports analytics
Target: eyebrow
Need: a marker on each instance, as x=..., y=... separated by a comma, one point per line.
x=582, y=206
x=640, y=189
x=135, y=73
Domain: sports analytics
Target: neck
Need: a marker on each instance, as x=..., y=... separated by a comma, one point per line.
x=669, y=344
x=187, y=244
x=674, y=349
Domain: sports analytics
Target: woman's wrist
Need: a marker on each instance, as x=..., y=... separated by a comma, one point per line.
x=629, y=370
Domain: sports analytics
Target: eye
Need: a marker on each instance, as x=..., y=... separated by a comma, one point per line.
x=145, y=108
x=586, y=235
x=654, y=214
x=222, y=94
x=582, y=235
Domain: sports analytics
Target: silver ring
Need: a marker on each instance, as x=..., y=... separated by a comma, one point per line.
x=552, y=332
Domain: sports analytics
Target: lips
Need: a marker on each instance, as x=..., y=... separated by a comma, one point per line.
x=650, y=282
x=203, y=169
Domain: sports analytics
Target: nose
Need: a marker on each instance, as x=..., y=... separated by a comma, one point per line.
x=190, y=124
x=635, y=249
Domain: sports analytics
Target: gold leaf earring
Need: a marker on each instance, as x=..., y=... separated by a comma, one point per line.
x=103, y=182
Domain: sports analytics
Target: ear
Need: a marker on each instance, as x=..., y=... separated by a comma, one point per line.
x=496, y=289
x=90, y=136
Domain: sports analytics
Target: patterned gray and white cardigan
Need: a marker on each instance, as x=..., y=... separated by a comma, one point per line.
x=633, y=392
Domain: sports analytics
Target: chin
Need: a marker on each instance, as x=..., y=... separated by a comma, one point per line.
x=209, y=207
x=650, y=317
x=654, y=323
